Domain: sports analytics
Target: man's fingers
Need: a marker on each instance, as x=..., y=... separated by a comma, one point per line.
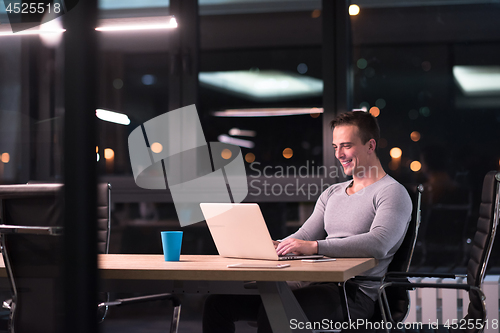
x=286, y=249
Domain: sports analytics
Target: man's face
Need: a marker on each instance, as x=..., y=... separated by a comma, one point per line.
x=349, y=149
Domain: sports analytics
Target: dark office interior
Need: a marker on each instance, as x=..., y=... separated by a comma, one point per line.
x=428, y=70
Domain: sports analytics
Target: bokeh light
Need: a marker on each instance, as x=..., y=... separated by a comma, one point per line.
x=316, y=13
x=109, y=153
x=250, y=157
x=375, y=111
x=364, y=106
x=396, y=152
x=117, y=83
x=287, y=153
x=425, y=111
x=148, y=79
x=226, y=154
x=362, y=63
x=415, y=136
x=156, y=147
x=415, y=166
x=5, y=157
x=302, y=68
x=353, y=10
x=380, y=103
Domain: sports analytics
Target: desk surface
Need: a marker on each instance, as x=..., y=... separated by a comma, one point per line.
x=214, y=268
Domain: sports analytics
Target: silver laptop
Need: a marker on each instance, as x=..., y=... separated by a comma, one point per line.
x=239, y=231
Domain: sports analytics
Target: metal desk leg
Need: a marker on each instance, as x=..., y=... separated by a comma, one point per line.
x=281, y=306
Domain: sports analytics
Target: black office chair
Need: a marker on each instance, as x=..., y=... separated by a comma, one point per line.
x=397, y=298
x=32, y=262
x=489, y=212
x=32, y=255
x=103, y=235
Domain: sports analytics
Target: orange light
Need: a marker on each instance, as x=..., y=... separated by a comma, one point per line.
x=287, y=153
x=96, y=149
x=415, y=136
x=226, y=154
x=5, y=157
x=415, y=166
x=353, y=10
x=156, y=147
x=396, y=152
x=250, y=157
x=109, y=153
x=316, y=13
x=375, y=111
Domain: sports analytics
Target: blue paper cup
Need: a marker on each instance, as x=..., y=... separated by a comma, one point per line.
x=171, y=241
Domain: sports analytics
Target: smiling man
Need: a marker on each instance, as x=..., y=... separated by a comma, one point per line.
x=364, y=217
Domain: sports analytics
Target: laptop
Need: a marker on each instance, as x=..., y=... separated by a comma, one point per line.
x=239, y=231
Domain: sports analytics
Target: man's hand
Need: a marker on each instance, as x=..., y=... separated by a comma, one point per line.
x=297, y=246
x=276, y=243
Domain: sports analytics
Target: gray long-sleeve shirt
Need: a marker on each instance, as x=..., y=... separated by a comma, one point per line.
x=370, y=223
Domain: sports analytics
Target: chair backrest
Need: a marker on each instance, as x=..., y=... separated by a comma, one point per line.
x=402, y=258
x=482, y=244
x=398, y=298
x=33, y=261
x=449, y=216
x=103, y=217
x=103, y=214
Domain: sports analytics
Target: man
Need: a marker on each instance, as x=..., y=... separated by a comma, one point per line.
x=365, y=217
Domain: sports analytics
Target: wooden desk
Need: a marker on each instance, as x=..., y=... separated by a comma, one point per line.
x=278, y=299
x=276, y=295
x=214, y=268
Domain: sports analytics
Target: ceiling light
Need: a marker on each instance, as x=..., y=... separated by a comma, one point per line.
x=114, y=117
x=263, y=85
x=240, y=132
x=137, y=23
x=269, y=112
x=478, y=80
x=6, y=30
x=237, y=142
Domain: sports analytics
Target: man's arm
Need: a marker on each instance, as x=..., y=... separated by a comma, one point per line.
x=304, y=240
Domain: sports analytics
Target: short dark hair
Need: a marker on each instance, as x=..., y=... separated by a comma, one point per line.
x=367, y=124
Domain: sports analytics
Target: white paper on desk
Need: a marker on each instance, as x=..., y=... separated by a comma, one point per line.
x=258, y=266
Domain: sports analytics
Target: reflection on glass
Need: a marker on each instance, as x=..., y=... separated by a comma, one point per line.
x=478, y=80
x=263, y=85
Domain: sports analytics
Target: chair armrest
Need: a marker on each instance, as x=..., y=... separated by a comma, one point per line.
x=421, y=275
x=411, y=285
x=140, y=299
x=368, y=278
x=23, y=229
